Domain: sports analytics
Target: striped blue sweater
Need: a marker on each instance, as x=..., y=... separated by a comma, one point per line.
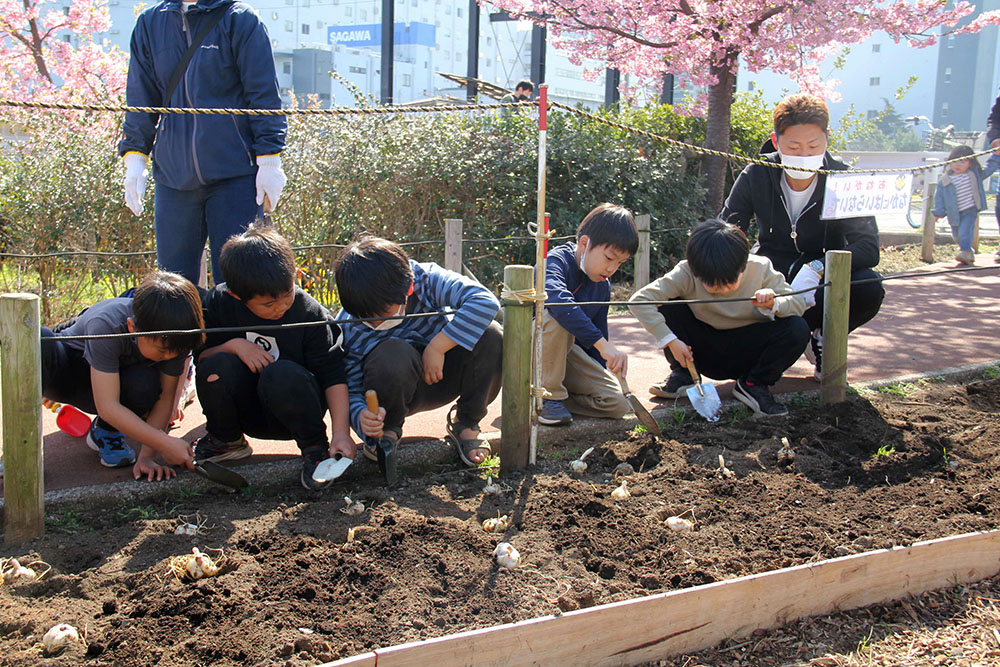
x=434, y=289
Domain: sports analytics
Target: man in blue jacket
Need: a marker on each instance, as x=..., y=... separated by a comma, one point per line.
x=212, y=172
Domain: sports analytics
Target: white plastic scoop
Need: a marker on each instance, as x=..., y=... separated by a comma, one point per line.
x=330, y=469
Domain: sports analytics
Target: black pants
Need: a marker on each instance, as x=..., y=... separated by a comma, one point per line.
x=282, y=402
x=759, y=353
x=394, y=369
x=866, y=300
x=66, y=379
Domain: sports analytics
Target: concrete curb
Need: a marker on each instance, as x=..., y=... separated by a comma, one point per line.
x=283, y=475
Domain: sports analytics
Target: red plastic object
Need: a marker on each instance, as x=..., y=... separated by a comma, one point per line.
x=73, y=422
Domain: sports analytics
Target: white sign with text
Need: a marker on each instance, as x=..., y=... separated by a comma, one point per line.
x=852, y=195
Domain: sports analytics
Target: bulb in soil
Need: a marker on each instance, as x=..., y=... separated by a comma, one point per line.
x=507, y=555
x=17, y=573
x=622, y=492
x=677, y=523
x=353, y=508
x=186, y=529
x=192, y=566
x=59, y=637
x=492, y=489
x=496, y=524
x=578, y=466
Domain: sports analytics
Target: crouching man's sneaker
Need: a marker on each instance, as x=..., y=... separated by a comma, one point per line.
x=110, y=445
x=758, y=397
x=675, y=385
x=554, y=413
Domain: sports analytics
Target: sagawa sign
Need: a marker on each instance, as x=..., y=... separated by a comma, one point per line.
x=852, y=195
x=370, y=34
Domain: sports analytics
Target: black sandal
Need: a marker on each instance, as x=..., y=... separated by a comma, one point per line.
x=466, y=446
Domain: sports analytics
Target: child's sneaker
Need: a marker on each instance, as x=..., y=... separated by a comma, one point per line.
x=676, y=384
x=210, y=448
x=965, y=257
x=110, y=444
x=554, y=413
x=758, y=397
x=312, y=457
x=814, y=353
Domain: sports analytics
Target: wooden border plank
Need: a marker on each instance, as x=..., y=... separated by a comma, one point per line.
x=654, y=627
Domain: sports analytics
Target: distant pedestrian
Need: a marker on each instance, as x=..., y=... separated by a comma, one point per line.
x=522, y=92
x=961, y=195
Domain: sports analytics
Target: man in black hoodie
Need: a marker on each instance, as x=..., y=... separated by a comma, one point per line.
x=787, y=204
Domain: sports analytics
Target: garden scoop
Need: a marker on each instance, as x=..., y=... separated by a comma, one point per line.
x=385, y=448
x=703, y=395
x=220, y=474
x=641, y=412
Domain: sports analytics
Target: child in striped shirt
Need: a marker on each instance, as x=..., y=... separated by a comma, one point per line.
x=960, y=196
x=416, y=364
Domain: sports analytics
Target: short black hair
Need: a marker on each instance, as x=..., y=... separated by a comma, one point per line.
x=258, y=262
x=717, y=252
x=372, y=274
x=524, y=83
x=166, y=301
x=610, y=225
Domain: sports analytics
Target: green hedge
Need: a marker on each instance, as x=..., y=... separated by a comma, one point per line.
x=397, y=176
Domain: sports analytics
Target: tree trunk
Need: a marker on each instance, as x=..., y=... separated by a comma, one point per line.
x=720, y=103
x=36, y=46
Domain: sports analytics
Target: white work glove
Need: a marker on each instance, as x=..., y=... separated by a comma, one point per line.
x=806, y=277
x=270, y=180
x=136, y=174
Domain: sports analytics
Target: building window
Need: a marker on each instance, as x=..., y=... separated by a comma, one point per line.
x=289, y=26
x=447, y=10
x=319, y=25
x=413, y=3
x=348, y=10
x=873, y=81
x=458, y=12
x=944, y=109
x=951, y=41
x=458, y=55
x=947, y=75
x=489, y=41
x=290, y=3
x=286, y=67
x=407, y=81
x=363, y=14
x=274, y=16
x=876, y=48
x=67, y=38
x=305, y=28
x=354, y=69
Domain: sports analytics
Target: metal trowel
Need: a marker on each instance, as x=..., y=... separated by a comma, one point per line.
x=330, y=469
x=641, y=412
x=703, y=395
x=386, y=447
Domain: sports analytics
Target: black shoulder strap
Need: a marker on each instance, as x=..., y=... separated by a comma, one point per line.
x=210, y=22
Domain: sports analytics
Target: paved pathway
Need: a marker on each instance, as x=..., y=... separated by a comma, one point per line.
x=927, y=324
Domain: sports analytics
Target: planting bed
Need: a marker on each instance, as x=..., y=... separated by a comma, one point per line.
x=883, y=469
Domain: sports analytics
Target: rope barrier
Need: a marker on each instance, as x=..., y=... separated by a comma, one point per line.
x=332, y=111
x=520, y=296
x=368, y=111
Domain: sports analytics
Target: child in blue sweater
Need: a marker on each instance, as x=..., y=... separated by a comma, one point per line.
x=578, y=362
x=419, y=363
x=960, y=196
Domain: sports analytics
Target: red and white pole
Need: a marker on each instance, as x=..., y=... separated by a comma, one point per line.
x=541, y=251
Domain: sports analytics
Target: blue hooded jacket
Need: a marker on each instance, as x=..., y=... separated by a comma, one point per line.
x=233, y=68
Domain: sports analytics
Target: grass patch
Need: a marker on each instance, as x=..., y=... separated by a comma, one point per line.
x=885, y=451
x=67, y=522
x=903, y=388
x=800, y=400
x=739, y=412
x=895, y=259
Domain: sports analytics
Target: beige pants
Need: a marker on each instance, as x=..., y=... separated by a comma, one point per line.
x=574, y=377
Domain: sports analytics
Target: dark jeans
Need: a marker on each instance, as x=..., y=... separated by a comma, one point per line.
x=185, y=218
x=865, y=299
x=759, y=353
x=66, y=379
x=283, y=402
x=394, y=369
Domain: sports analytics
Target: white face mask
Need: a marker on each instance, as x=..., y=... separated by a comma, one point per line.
x=385, y=325
x=803, y=161
x=583, y=261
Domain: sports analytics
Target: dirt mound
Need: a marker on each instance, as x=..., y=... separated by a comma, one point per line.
x=304, y=582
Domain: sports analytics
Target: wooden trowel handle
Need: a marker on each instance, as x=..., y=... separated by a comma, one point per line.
x=371, y=398
x=694, y=375
x=621, y=379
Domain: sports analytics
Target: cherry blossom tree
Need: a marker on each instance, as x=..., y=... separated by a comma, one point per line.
x=38, y=63
x=702, y=41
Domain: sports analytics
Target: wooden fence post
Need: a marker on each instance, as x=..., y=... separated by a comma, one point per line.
x=930, y=229
x=515, y=429
x=836, y=307
x=21, y=389
x=975, y=236
x=642, y=254
x=453, y=244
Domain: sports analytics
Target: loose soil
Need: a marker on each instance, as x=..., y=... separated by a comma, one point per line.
x=910, y=463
